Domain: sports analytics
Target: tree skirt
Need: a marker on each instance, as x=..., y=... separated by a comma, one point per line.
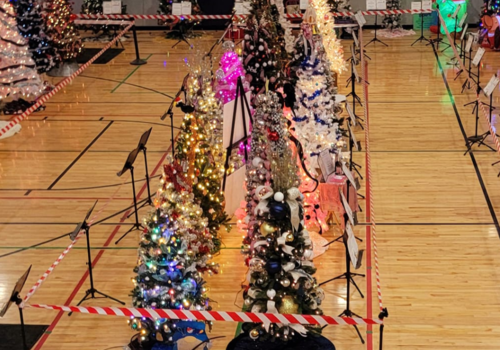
x=243, y=342
x=396, y=33
x=11, y=132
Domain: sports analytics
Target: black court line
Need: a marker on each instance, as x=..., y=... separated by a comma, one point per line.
x=471, y=154
x=79, y=156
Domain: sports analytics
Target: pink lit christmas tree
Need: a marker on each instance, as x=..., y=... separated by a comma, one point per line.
x=227, y=75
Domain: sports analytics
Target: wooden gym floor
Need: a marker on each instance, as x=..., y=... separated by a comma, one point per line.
x=438, y=232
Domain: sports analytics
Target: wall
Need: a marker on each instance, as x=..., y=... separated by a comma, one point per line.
x=151, y=6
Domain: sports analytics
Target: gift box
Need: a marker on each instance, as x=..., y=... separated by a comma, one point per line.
x=235, y=33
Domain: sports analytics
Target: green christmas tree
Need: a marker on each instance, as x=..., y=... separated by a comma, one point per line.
x=61, y=28
x=277, y=247
x=174, y=252
x=199, y=149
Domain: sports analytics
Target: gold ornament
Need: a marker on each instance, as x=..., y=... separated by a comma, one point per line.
x=289, y=237
x=288, y=306
x=266, y=229
x=254, y=333
x=159, y=337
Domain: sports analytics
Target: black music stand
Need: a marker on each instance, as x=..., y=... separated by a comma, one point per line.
x=170, y=112
x=129, y=165
x=422, y=37
x=142, y=147
x=16, y=298
x=348, y=275
x=92, y=291
x=375, y=39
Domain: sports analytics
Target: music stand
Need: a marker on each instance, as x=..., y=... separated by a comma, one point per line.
x=170, y=112
x=348, y=275
x=375, y=39
x=422, y=37
x=16, y=298
x=142, y=147
x=129, y=165
x=92, y=291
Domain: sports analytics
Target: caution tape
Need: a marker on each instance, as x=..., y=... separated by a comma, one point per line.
x=121, y=22
x=40, y=101
x=370, y=205
x=203, y=17
x=462, y=67
x=226, y=316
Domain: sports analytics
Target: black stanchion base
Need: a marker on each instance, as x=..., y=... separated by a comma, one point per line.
x=138, y=62
x=311, y=342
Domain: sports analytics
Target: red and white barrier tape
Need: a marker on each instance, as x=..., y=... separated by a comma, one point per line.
x=202, y=17
x=121, y=22
x=464, y=70
x=40, y=101
x=52, y=267
x=373, y=226
x=227, y=316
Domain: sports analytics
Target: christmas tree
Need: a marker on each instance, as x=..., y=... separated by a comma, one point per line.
x=61, y=29
x=31, y=25
x=173, y=254
x=166, y=6
x=315, y=119
x=227, y=75
x=264, y=52
x=324, y=21
x=392, y=21
x=277, y=246
x=95, y=7
x=199, y=149
x=18, y=76
x=340, y=5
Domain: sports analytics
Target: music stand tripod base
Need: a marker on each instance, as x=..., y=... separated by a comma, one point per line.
x=138, y=62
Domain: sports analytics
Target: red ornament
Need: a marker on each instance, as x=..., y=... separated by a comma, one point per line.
x=272, y=135
x=72, y=17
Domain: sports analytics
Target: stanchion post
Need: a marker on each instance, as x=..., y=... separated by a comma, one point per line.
x=138, y=61
x=383, y=314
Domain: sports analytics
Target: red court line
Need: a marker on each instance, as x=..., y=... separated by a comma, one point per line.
x=56, y=320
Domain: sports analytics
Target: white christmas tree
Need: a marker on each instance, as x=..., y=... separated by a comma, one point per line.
x=18, y=76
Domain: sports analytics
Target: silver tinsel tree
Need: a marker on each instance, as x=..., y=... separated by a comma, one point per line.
x=392, y=21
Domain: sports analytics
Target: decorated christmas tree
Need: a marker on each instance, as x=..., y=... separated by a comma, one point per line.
x=95, y=7
x=199, y=149
x=319, y=15
x=61, y=29
x=173, y=254
x=392, y=21
x=18, y=77
x=340, y=5
x=32, y=27
x=166, y=6
x=264, y=51
x=277, y=247
x=227, y=75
